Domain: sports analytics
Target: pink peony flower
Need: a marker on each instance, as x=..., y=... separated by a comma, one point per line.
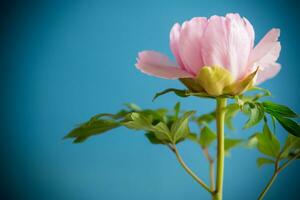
x=216, y=55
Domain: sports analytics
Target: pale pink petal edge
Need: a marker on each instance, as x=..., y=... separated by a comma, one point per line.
x=265, y=45
x=156, y=64
x=268, y=73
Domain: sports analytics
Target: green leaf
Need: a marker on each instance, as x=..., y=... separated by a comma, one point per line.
x=273, y=123
x=282, y=114
x=139, y=121
x=156, y=115
x=207, y=136
x=176, y=110
x=231, y=143
x=162, y=132
x=289, y=125
x=264, y=93
x=252, y=141
x=181, y=93
x=90, y=128
x=157, y=123
x=97, y=124
x=267, y=143
x=264, y=161
x=152, y=138
x=206, y=118
x=255, y=116
x=205, y=95
x=246, y=107
x=193, y=137
x=119, y=115
x=292, y=145
x=279, y=110
x=231, y=112
x=180, y=128
x=132, y=106
x=239, y=100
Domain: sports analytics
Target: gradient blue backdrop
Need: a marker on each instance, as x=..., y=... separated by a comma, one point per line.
x=64, y=61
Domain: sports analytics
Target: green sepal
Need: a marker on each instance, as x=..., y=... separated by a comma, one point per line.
x=184, y=93
x=180, y=93
x=241, y=86
x=214, y=80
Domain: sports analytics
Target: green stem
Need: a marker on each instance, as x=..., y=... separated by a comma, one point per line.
x=220, y=116
x=271, y=181
x=188, y=170
x=288, y=162
x=211, y=169
x=261, y=196
x=276, y=172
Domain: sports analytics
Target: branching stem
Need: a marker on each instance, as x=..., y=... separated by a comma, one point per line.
x=277, y=170
x=188, y=170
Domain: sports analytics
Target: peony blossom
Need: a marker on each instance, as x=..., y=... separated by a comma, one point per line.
x=216, y=55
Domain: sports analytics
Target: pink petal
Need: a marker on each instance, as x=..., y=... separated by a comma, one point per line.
x=264, y=46
x=271, y=57
x=214, y=49
x=250, y=30
x=174, y=43
x=190, y=43
x=227, y=43
x=267, y=64
x=156, y=64
x=267, y=73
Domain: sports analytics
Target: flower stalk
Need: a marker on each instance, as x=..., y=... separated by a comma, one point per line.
x=220, y=118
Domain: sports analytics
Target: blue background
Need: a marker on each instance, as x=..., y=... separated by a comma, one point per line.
x=64, y=61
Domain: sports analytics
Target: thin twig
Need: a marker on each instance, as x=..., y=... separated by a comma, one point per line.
x=211, y=168
x=288, y=162
x=170, y=147
x=189, y=171
x=277, y=170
